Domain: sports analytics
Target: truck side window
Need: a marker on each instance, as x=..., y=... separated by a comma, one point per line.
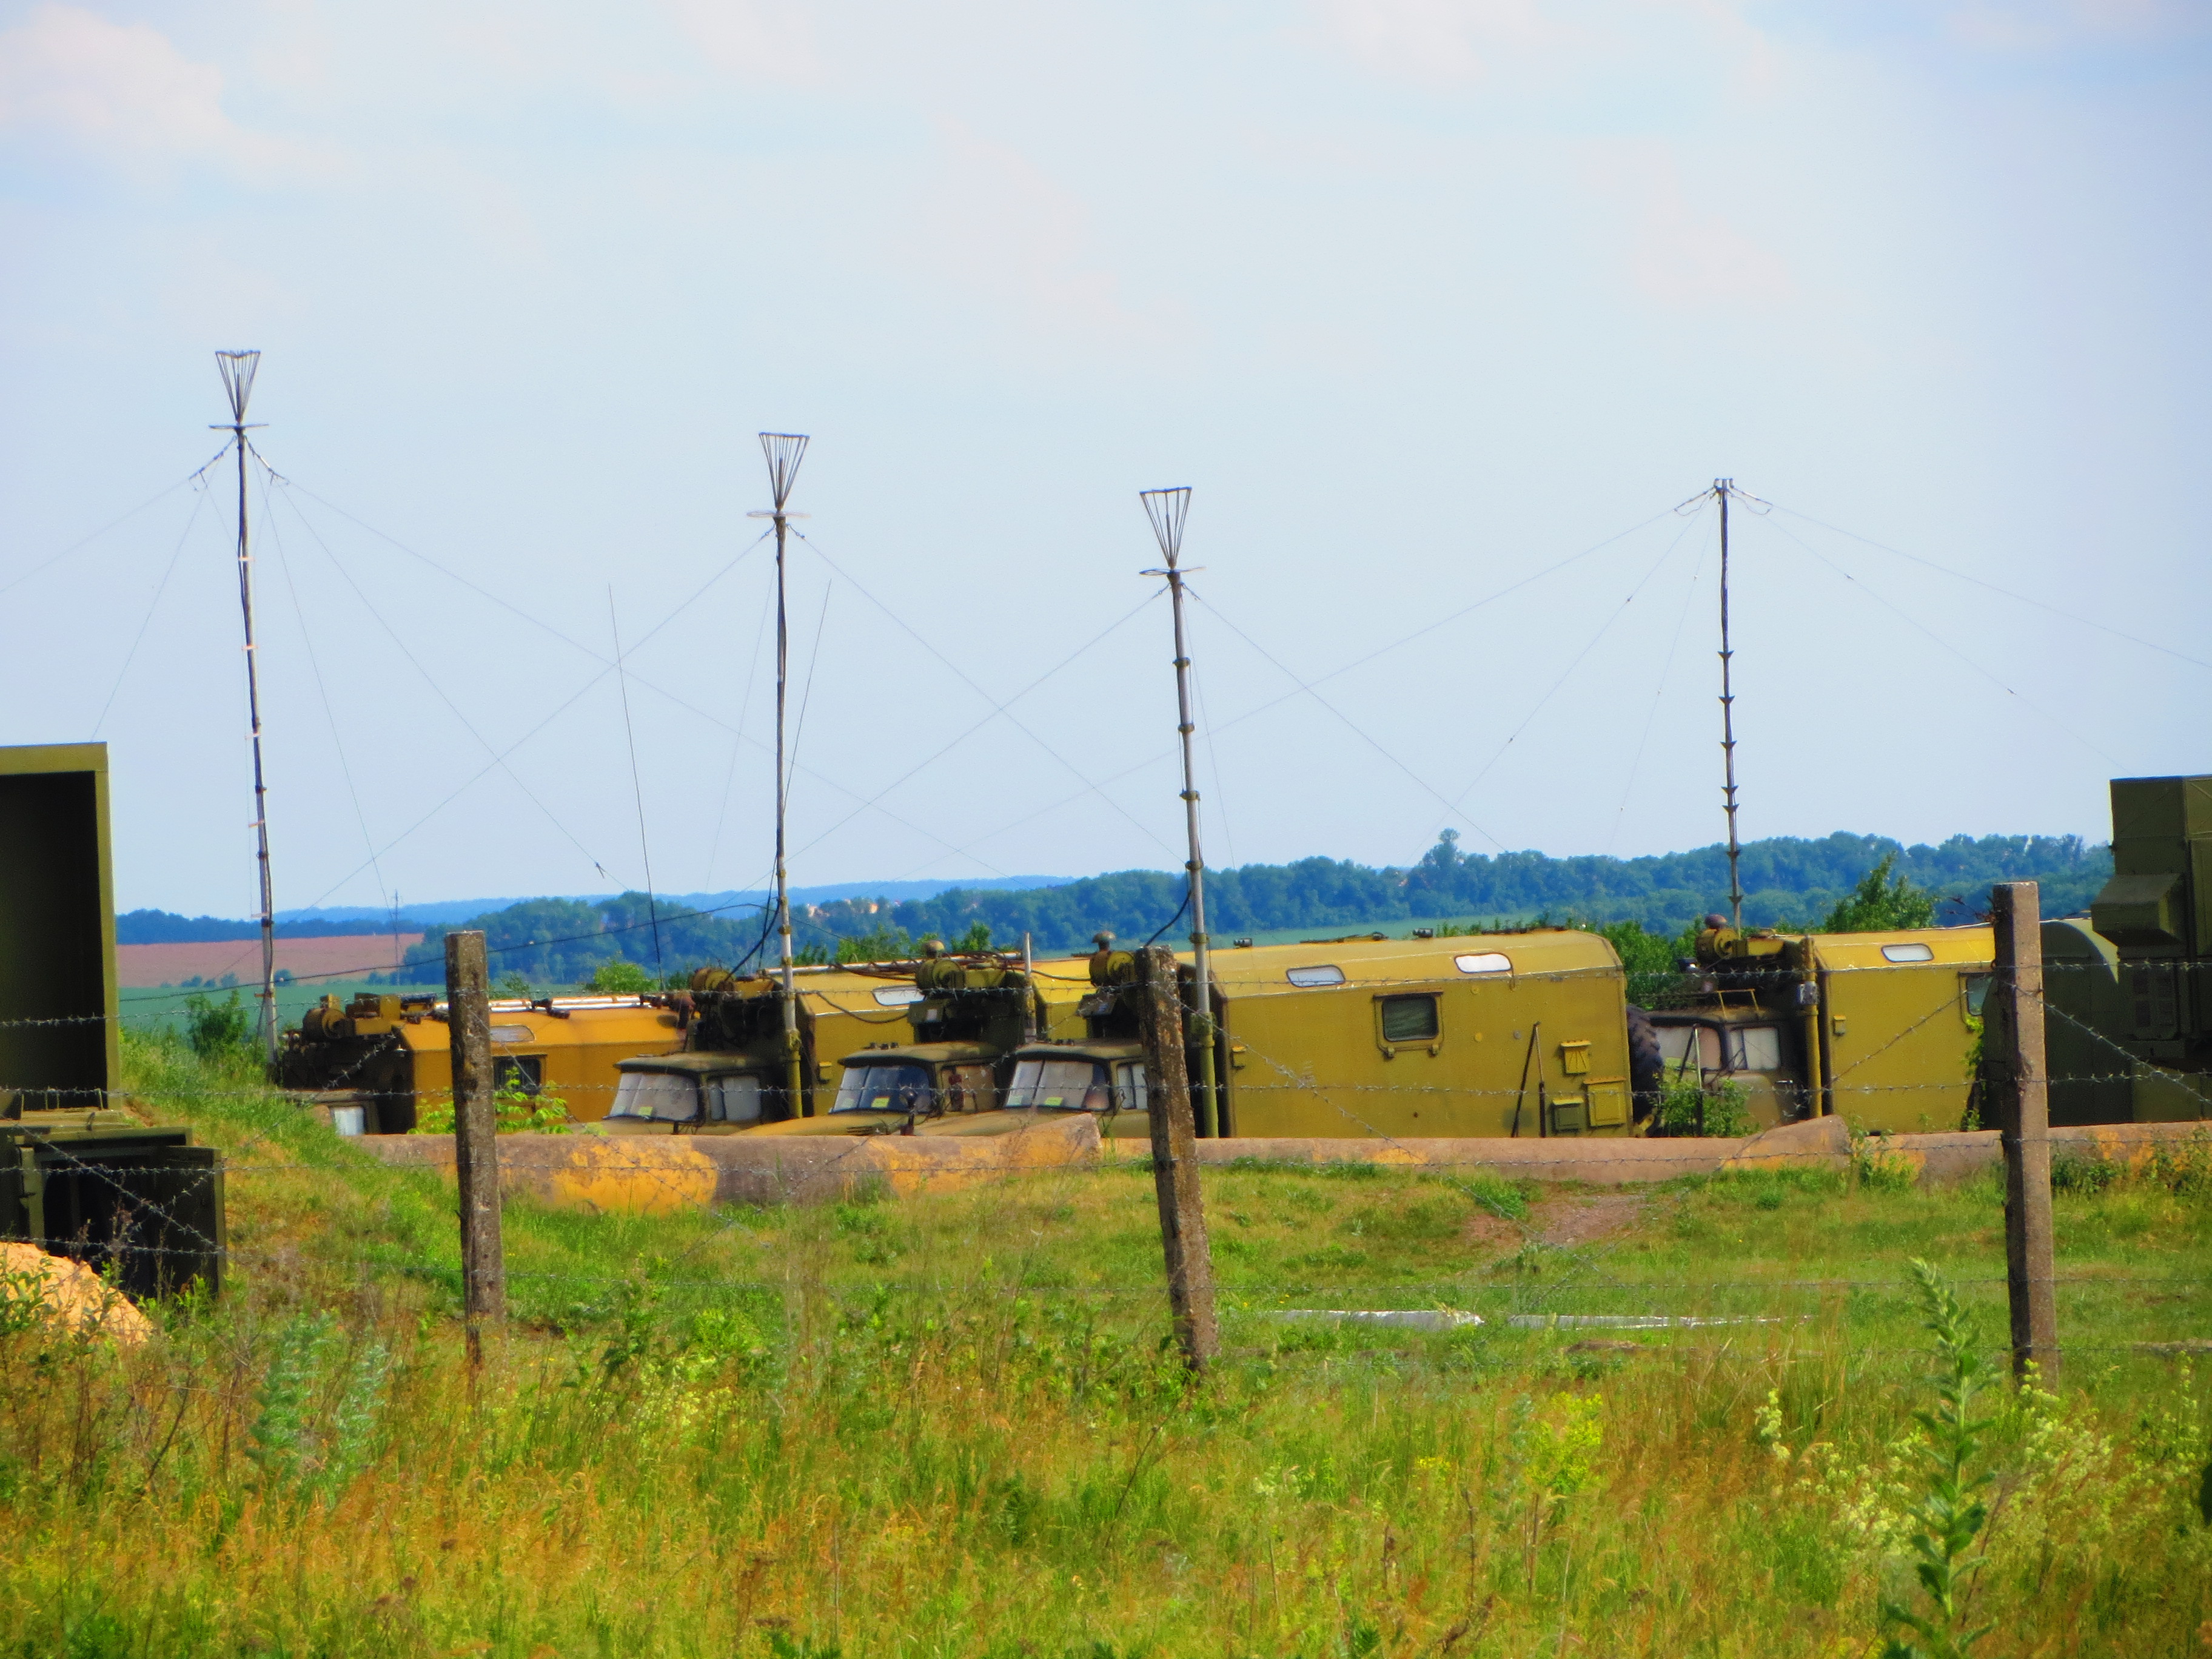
x=1690, y=1049
x=967, y=1089
x=734, y=1099
x=1409, y=1019
x=522, y=1073
x=1755, y=1048
x=1129, y=1092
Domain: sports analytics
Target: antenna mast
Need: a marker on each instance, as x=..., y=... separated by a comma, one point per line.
x=1723, y=489
x=237, y=370
x=1167, y=509
x=784, y=450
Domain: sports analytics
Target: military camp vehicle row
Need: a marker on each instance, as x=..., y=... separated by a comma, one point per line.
x=1522, y=1034
x=1513, y=1034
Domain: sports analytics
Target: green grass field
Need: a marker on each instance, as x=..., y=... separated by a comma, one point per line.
x=949, y=1426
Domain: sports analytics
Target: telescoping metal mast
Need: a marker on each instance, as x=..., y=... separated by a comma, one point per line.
x=237, y=370
x=1723, y=491
x=1167, y=509
x=784, y=450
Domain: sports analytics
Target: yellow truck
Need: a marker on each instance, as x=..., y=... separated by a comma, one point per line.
x=1523, y=1034
x=963, y=1017
x=1880, y=1028
x=375, y=1061
x=909, y=1040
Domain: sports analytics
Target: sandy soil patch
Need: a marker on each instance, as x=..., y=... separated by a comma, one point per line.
x=73, y=1295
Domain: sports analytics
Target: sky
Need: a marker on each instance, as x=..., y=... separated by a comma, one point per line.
x=1441, y=308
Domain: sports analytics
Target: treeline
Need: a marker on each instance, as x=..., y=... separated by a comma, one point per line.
x=165, y=928
x=1789, y=882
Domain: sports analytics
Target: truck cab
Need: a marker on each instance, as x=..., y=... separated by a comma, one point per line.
x=714, y=1094
x=1878, y=1027
x=965, y=1017
x=1748, y=1046
x=1105, y=1078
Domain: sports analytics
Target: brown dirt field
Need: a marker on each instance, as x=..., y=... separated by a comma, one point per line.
x=143, y=965
x=74, y=1295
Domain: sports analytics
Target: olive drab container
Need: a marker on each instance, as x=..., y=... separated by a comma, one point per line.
x=79, y=1175
x=2128, y=997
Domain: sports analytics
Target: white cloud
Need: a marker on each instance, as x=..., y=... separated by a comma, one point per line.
x=1008, y=233
x=122, y=93
x=1434, y=42
x=1681, y=254
x=758, y=39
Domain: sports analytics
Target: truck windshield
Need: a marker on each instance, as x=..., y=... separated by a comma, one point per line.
x=734, y=1099
x=1071, y=1086
x=660, y=1097
x=1058, y=1084
x=887, y=1088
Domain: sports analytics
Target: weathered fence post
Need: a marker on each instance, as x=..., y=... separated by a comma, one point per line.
x=2024, y=1077
x=476, y=1137
x=1175, y=1159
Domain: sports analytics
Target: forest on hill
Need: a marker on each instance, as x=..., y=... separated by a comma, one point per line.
x=1788, y=882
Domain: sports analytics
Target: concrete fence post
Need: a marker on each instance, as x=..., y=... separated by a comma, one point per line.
x=476, y=1137
x=1175, y=1160
x=2025, y=1078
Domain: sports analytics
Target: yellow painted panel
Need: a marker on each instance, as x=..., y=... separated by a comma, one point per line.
x=1899, y=1045
x=1311, y=1066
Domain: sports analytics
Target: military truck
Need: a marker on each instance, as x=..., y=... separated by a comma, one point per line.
x=1880, y=1027
x=2128, y=999
x=730, y=1074
x=964, y=1016
x=1524, y=1034
x=375, y=1062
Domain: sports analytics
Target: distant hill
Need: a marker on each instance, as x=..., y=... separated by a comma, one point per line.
x=1787, y=880
x=336, y=920
x=449, y=911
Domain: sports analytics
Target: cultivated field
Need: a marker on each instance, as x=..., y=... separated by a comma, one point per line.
x=205, y=959
x=947, y=1426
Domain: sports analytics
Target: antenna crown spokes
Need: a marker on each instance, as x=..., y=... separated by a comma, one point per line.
x=784, y=450
x=237, y=369
x=1167, y=509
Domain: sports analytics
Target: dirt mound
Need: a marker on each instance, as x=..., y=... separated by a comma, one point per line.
x=1559, y=1223
x=72, y=1295
x=1563, y=1223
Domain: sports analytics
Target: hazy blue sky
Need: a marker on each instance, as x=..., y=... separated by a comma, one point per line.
x=1422, y=297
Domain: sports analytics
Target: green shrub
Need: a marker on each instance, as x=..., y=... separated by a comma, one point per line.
x=518, y=1112
x=218, y=1031
x=1726, y=1109
x=621, y=977
x=1880, y=904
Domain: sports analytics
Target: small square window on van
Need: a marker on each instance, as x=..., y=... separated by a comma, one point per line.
x=1409, y=1019
x=518, y=1074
